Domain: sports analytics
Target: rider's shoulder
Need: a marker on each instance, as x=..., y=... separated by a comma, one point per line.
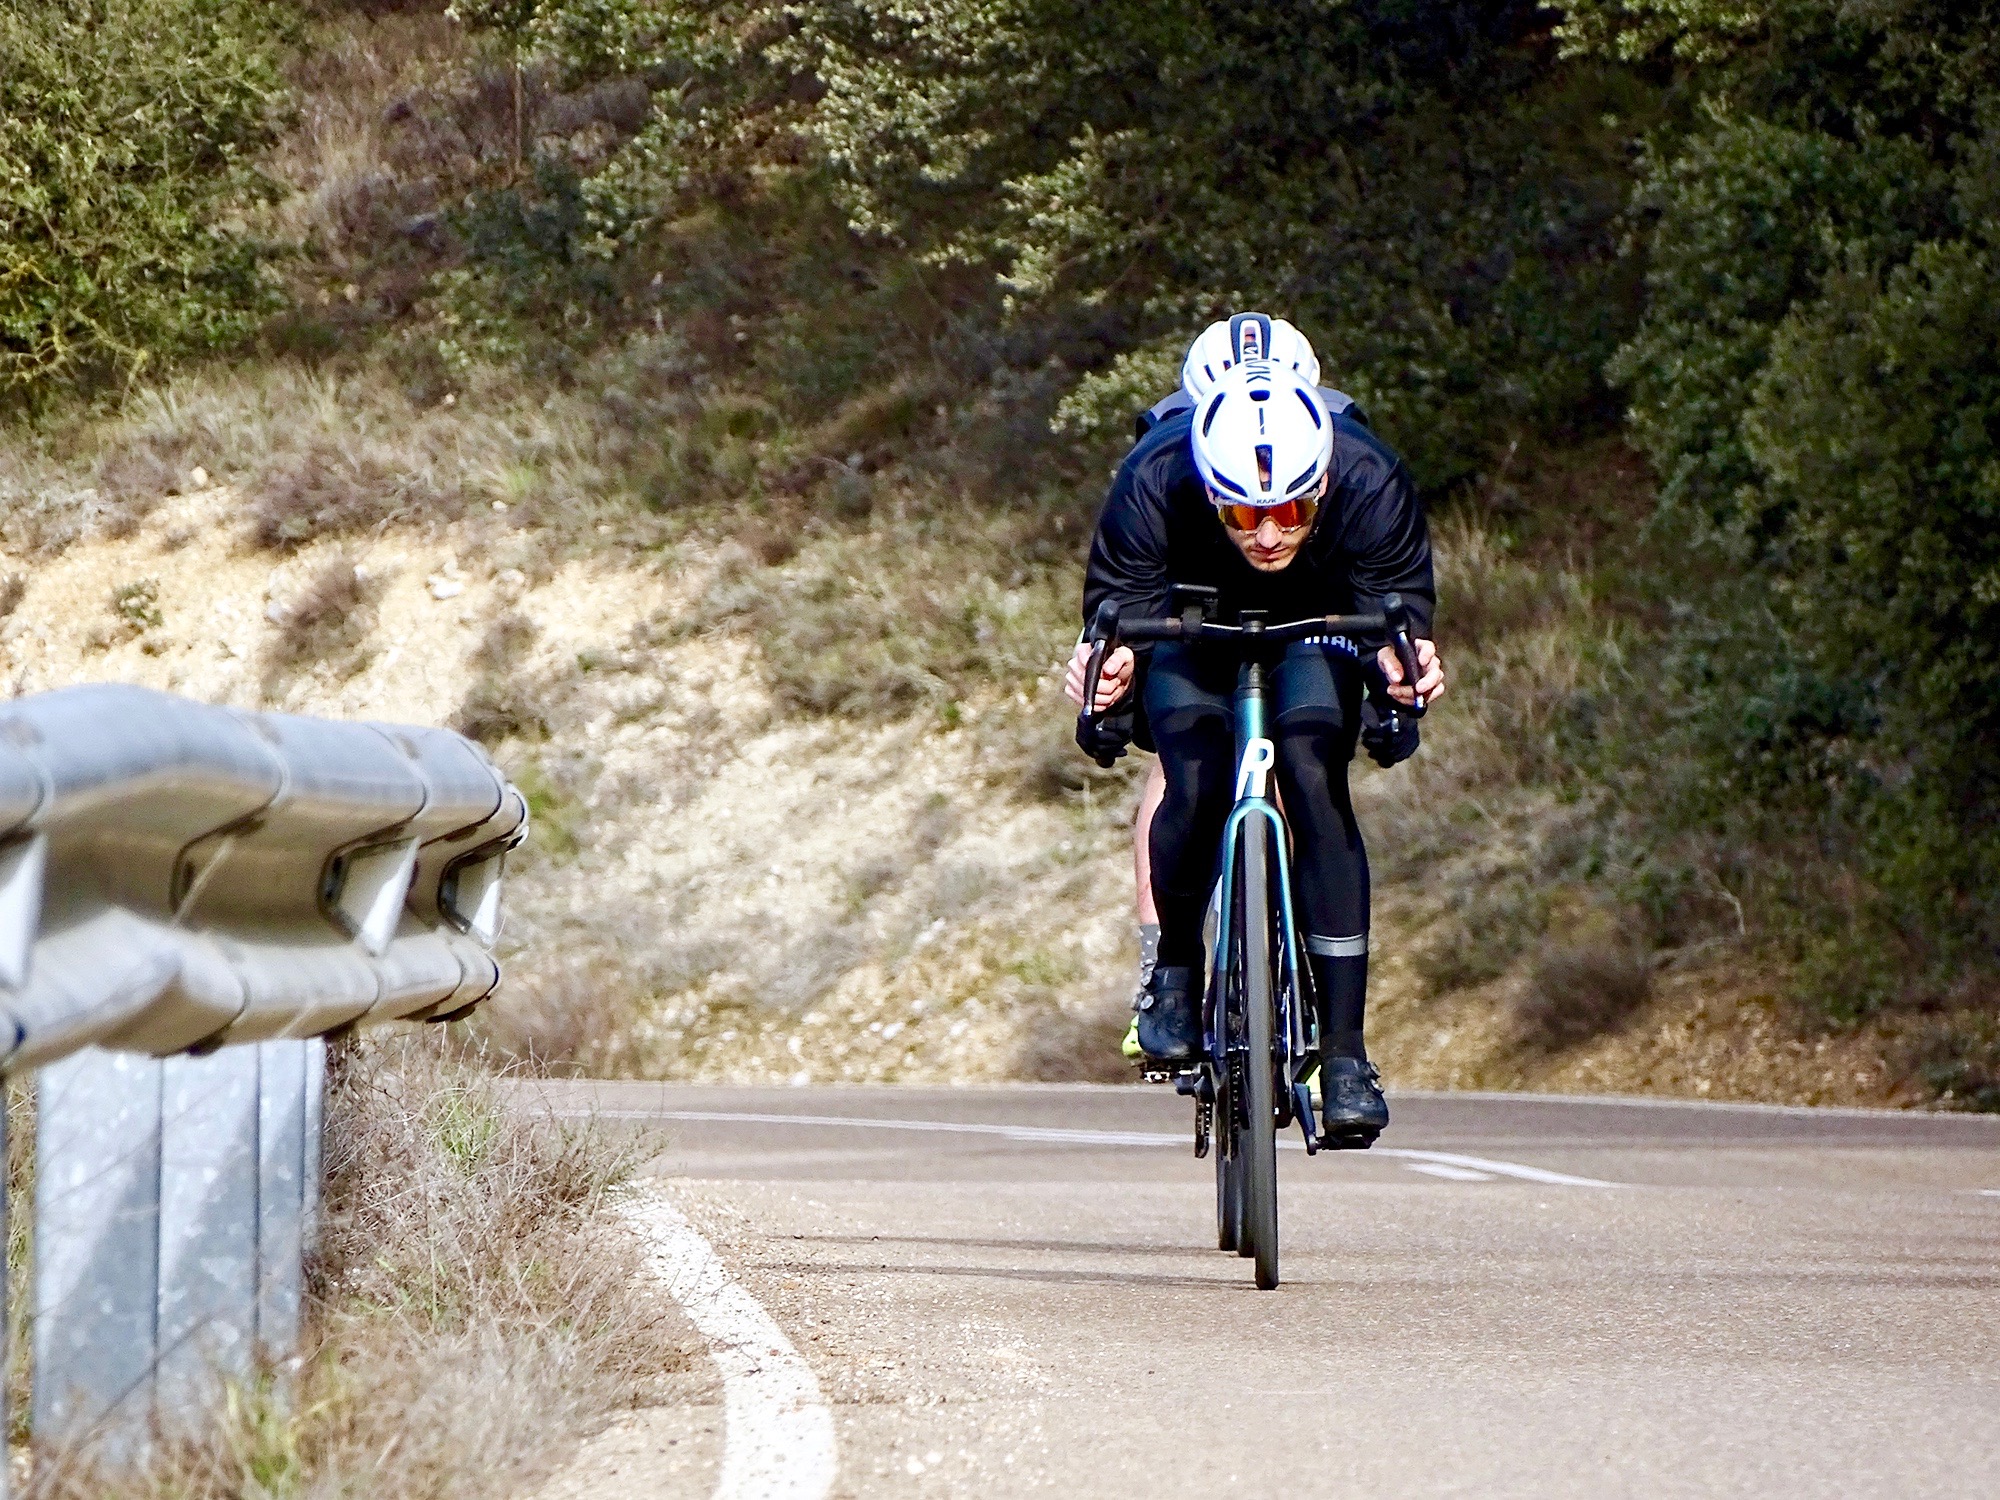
x=1163, y=455
x=1360, y=455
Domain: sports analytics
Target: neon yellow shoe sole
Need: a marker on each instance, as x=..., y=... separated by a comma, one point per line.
x=1130, y=1046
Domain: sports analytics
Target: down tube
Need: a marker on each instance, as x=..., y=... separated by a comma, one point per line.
x=1231, y=840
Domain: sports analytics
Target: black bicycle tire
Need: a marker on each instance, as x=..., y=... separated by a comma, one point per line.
x=1260, y=1116
x=1228, y=1193
x=1244, y=1245
x=1231, y=993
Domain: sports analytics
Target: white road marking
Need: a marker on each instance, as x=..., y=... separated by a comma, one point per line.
x=1449, y=1174
x=1046, y=1134
x=778, y=1433
x=1064, y=1136
x=1987, y=1192
x=1497, y=1168
x=1703, y=1106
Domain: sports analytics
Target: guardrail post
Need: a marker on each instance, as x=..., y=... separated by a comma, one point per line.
x=97, y=1236
x=172, y=1208
x=315, y=1174
x=209, y=1230
x=286, y=1166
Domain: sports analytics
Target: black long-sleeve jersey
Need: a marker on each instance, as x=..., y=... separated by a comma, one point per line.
x=1158, y=528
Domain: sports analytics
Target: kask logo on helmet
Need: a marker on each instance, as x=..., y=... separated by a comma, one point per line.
x=1263, y=438
x=1233, y=341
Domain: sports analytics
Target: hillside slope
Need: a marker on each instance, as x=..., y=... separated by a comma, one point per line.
x=724, y=884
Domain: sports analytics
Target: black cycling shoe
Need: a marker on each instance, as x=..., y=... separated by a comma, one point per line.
x=1356, y=1112
x=1170, y=1014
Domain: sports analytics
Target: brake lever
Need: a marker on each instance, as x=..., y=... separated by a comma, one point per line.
x=1103, y=631
x=1397, y=617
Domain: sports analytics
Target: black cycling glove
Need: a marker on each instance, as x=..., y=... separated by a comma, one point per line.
x=1104, y=737
x=1390, y=738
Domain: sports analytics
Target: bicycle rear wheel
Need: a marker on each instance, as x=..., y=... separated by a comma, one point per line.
x=1260, y=1117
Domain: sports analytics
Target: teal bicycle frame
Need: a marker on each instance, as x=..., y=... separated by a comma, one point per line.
x=1294, y=1025
x=1242, y=1099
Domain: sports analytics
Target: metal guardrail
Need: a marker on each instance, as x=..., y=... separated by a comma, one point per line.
x=178, y=879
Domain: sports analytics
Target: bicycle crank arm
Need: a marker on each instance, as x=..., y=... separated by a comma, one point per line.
x=1302, y=1111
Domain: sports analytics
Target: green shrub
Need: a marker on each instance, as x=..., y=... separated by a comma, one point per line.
x=126, y=131
x=1814, y=380
x=1418, y=185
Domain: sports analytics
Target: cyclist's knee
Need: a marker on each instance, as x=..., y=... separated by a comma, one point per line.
x=1195, y=758
x=1312, y=769
x=1197, y=782
x=1316, y=744
x=1313, y=755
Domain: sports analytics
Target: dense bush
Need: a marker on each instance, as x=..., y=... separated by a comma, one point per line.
x=126, y=128
x=1418, y=184
x=1815, y=381
x=1422, y=185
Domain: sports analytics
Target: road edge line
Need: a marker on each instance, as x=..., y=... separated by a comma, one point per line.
x=777, y=1430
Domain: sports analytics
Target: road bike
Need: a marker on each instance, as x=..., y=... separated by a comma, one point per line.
x=1260, y=1042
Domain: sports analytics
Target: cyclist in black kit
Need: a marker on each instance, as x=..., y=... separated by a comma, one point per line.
x=1264, y=494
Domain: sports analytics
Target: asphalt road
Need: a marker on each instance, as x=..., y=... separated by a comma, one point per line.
x=1751, y=1301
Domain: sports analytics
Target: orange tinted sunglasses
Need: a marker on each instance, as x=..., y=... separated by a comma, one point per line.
x=1291, y=515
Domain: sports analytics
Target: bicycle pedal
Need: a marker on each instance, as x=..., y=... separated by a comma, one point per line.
x=1349, y=1140
x=1158, y=1075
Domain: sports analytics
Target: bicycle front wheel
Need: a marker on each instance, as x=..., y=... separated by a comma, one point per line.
x=1260, y=1115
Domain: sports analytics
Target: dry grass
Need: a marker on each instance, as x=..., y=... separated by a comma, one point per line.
x=326, y=625
x=475, y=1306
x=326, y=453
x=1078, y=1044
x=1582, y=988
x=499, y=705
x=137, y=473
x=918, y=607
x=570, y=1016
x=337, y=157
x=332, y=488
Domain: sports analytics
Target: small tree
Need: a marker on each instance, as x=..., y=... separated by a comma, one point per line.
x=126, y=134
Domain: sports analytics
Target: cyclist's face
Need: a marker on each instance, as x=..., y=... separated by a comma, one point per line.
x=1270, y=548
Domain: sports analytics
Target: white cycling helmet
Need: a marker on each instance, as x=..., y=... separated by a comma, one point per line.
x=1247, y=336
x=1262, y=437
